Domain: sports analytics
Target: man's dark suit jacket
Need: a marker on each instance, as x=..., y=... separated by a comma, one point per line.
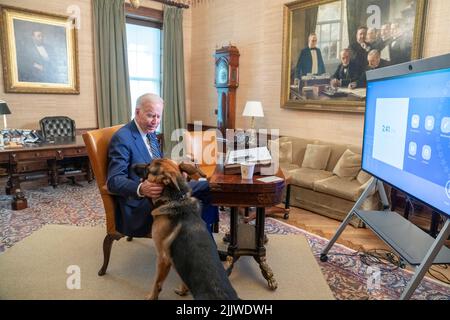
x=304, y=63
x=133, y=216
x=359, y=54
x=353, y=73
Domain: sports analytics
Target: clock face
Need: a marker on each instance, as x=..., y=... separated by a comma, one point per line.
x=222, y=73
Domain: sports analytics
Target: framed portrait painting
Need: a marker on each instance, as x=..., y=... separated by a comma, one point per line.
x=328, y=45
x=39, y=52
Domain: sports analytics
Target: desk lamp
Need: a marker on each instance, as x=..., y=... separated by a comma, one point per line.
x=253, y=109
x=4, y=110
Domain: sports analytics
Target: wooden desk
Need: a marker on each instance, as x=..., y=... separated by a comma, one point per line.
x=245, y=239
x=42, y=157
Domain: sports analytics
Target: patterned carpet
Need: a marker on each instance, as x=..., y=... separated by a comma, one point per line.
x=345, y=272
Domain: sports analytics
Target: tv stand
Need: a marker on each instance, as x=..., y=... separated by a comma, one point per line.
x=412, y=244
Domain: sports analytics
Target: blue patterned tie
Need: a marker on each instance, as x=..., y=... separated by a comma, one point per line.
x=154, y=145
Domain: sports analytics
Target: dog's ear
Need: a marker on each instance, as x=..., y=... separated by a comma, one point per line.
x=141, y=170
x=171, y=178
x=191, y=170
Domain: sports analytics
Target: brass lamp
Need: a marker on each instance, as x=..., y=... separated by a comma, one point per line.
x=253, y=109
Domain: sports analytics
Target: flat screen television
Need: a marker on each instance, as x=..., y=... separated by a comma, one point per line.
x=407, y=129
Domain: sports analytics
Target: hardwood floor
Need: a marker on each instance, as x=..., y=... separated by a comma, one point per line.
x=355, y=238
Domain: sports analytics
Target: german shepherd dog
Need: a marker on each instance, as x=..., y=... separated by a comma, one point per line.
x=181, y=237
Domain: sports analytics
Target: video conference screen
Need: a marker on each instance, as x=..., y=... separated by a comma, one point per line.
x=407, y=134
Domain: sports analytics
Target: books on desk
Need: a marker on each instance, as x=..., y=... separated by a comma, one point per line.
x=259, y=156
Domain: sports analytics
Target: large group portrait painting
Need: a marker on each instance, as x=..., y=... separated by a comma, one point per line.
x=329, y=46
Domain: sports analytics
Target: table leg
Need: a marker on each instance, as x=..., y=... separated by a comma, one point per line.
x=435, y=220
x=232, y=247
x=53, y=173
x=260, y=256
x=267, y=272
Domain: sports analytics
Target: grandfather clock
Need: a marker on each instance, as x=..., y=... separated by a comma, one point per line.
x=226, y=82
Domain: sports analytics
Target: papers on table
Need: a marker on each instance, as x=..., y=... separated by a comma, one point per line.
x=270, y=179
x=360, y=92
x=256, y=155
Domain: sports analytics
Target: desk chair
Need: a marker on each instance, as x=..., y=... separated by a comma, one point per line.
x=58, y=126
x=97, y=143
x=62, y=128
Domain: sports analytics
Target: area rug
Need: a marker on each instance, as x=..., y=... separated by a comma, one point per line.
x=46, y=265
x=345, y=273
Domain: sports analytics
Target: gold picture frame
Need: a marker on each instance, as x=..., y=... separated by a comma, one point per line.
x=336, y=24
x=40, y=52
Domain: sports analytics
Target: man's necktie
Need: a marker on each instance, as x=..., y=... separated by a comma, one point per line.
x=154, y=145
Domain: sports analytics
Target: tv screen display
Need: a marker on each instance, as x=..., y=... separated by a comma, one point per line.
x=407, y=129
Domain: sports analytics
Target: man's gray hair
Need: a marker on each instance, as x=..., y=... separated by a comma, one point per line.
x=346, y=50
x=374, y=52
x=150, y=97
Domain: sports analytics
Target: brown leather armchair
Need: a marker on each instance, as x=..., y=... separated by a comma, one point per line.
x=97, y=142
x=202, y=149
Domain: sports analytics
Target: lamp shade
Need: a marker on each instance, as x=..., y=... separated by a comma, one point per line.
x=253, y=109
x=4, y=108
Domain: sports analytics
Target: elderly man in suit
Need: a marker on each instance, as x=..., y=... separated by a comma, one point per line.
x=134, y=143
x=346, y=72
x=374, y=61
x=310, y=59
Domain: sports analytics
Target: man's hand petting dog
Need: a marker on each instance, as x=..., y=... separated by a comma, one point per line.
x=151, y=190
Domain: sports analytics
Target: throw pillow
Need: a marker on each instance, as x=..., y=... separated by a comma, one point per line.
x=316, y=156
x=348, y=165
x=363, y=177
x=284, y=150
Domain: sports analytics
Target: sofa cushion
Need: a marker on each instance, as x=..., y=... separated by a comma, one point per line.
x=348, y=165
x=346, y=188
x=287, y=168
x=363, y=177
x=305, y=177
x=284, y=150
x=316, y=156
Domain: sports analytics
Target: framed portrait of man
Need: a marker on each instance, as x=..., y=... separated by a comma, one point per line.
x=39, y=52
x=328, y=45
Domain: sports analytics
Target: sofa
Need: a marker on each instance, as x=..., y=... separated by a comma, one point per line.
x=325, y=178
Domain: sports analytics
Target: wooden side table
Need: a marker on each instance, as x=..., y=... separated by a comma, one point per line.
x=245, y=239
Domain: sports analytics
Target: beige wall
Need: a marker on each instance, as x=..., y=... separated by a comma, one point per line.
x=27, y=109
x=255, y=27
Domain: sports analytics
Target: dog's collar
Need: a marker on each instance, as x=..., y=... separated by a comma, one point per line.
x=165, y=200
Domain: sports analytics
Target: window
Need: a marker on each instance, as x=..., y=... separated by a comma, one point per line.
x=329, y=30
x=144, y=58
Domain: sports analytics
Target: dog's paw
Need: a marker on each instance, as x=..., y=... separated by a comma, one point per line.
x=181, y=291
x=151, y=297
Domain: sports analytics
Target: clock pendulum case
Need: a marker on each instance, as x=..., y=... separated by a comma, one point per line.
x=226, y=82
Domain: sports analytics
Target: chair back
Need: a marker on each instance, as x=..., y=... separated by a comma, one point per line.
x=57, y=126
x=203, y=149
x=97, y=144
